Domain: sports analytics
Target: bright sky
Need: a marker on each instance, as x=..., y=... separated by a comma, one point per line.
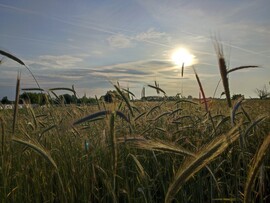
x=93, y=43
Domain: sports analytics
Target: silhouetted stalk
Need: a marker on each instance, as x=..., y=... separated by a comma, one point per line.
x=16, y=104
x=223, y=71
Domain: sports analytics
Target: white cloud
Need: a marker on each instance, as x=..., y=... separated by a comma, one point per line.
x=61, y=61
x=124, y=41
x=97, y=53
x=119, y=41
x=150, y=34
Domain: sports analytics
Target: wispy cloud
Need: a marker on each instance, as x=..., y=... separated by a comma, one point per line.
x=149, y=36
x=119, y=41
x=151, y=33
x=52, y=62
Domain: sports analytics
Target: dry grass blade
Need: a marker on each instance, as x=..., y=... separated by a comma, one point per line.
x=216, y=89
x=101, y=113
x=125, y=99
x=222, y=121
x=182, y=70
x=32, y=89
x=139, y=116
x=184, y=100
x=254, y=168
x=183, y=117
x=126, y=139
x=129, y=92
x=3, y=134
x=140, y=169
x=202, y=158
x=161, y=115
x=249, y=128
x=2, y=60
x=236, y=106
x=157, y=85
x=39, y=149
x=136, y=109
x=176, y=110
x=32, y=76
x=240, y=68
x=63, y=88
x=97, y=102
x=34, y=117
x=201, y=89
x=92, y=116
x=54, y=94
x=157, y=89
x=18, y=61
x=16, y=105
x=122, y=115
x=152, y=109
x=14, y=58
x=162, y=146
x=46, y=130
x=246, y=114
x=114, y=148
x=223, y=71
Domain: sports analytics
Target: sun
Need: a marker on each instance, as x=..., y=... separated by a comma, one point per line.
x=182, y=56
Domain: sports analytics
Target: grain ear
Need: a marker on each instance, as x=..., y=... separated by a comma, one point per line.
x=223, y=71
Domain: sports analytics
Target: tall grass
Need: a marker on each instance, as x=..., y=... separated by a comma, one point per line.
x=134, y=151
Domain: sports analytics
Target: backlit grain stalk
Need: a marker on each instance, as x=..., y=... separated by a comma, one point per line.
x=255, y=165
x=223, y=71
x=16, y=105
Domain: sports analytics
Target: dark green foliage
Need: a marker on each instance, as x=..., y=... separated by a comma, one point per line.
x=112, y=96
x=33, y=98
x=5, y=100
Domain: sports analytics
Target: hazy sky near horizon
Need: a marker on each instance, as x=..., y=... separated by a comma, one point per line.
x=92, y=44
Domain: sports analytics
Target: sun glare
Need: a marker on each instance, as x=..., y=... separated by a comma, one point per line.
x=182, y=55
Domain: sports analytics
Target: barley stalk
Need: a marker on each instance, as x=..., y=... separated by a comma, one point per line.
x=254, y=168
x=223, y=71
x=113, y=142
x=203, y=157
x=16, y=104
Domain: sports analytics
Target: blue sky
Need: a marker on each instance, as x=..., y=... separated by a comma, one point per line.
x=92, y=44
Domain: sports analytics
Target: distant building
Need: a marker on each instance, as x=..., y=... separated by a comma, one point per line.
x=143, y=93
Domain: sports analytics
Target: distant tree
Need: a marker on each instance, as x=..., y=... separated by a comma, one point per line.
x=237, y=96
x=33, y=98
x=109, y=97
x=83, y=100
x=5, y=100
x=262, y=93
x=112, y=96
x=68, y=99
x=91, y=101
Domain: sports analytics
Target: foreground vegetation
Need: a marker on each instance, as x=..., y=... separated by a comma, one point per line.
x=166, y=151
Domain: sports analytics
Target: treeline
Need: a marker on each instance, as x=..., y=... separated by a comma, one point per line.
x=41, y=99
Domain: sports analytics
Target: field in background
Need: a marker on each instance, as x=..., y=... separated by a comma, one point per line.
x=166, y=151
